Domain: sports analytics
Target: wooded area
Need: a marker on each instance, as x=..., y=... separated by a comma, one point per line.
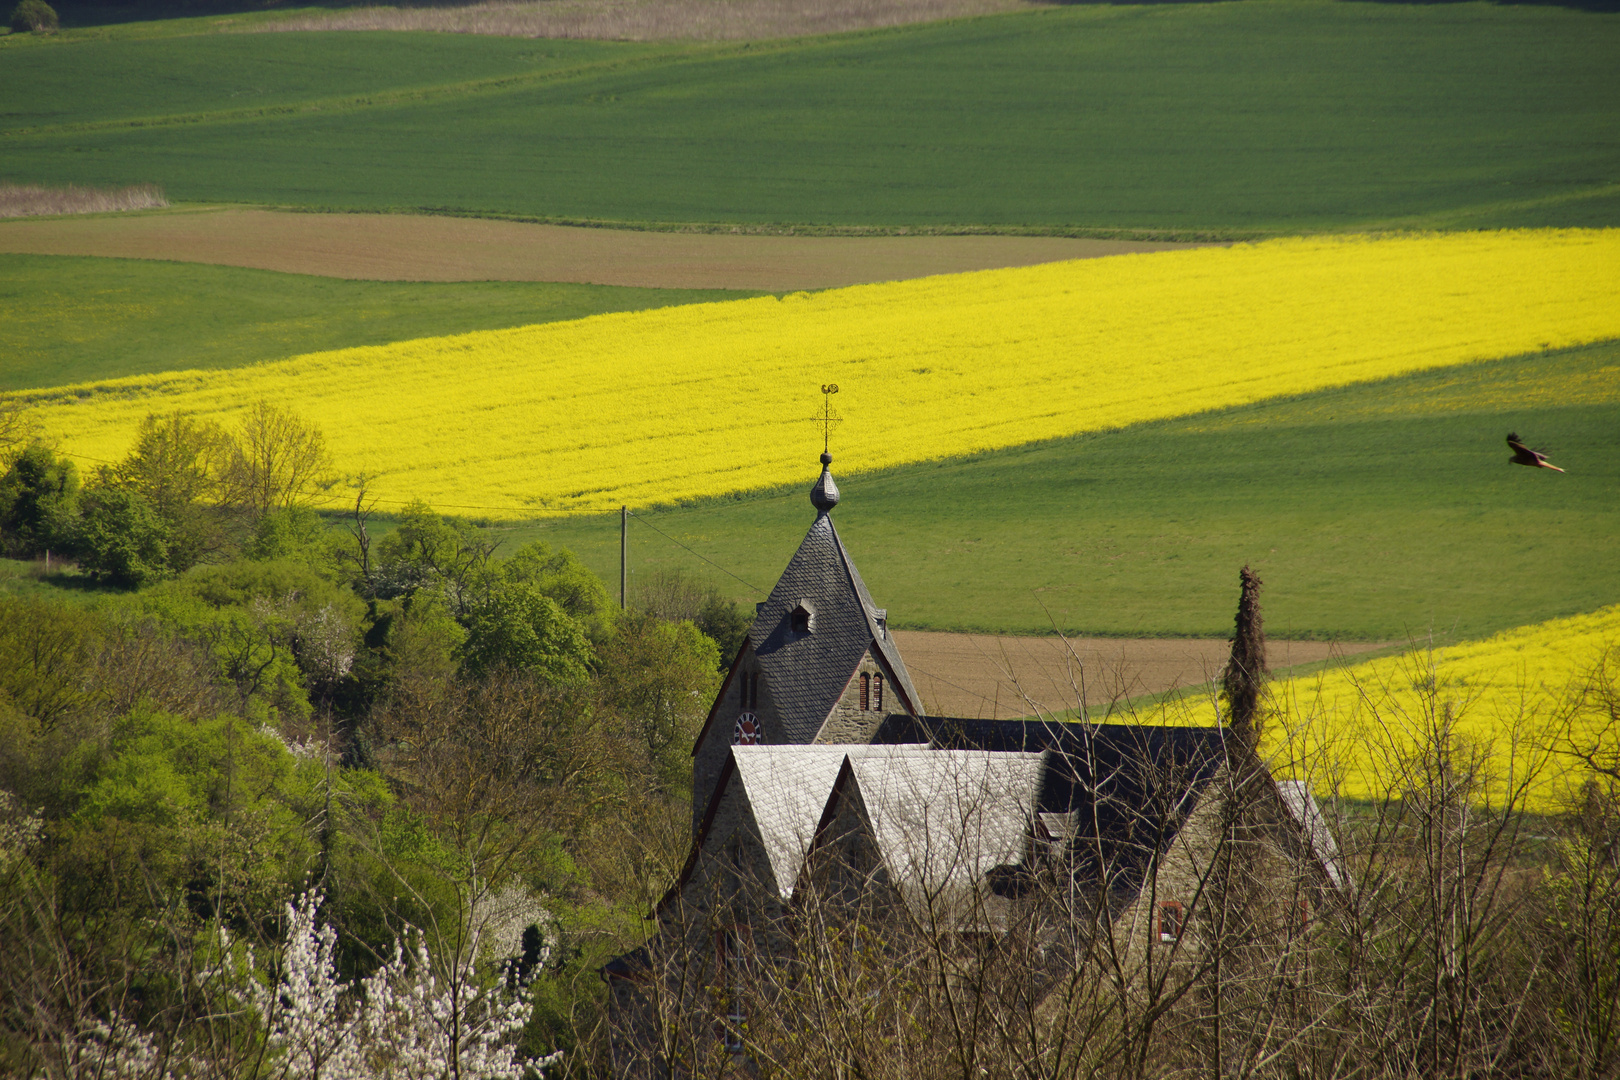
x=419, y=731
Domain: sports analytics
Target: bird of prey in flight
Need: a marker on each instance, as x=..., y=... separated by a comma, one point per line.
x=1523, y=455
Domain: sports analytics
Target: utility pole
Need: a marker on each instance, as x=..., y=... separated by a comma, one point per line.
x=624, y=554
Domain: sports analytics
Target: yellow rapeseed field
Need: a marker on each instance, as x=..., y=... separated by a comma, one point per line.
x=1510, y=701
x=666, y=405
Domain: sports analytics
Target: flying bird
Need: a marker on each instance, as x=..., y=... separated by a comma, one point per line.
x=1523, y=455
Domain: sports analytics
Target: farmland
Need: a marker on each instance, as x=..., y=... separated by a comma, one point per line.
x=1369, y=511
x=1175, y=120
x=931, y=368
x=1367, y=505
x=421, y=247
x=81, y=319
x=1506, y=698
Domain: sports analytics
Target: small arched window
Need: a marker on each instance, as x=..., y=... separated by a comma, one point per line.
x=877, y=692
x=866, y=691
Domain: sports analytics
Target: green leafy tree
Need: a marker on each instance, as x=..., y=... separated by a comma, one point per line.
x=726, y=623
x=38, y=498
x=122, y=536
x=430, y=552
x=560, y=575
x=177, y=465
x=521, y=629
x=658, y=679
x=34, y=16
x=277, y=631
x=296, y=534
x=45, y=652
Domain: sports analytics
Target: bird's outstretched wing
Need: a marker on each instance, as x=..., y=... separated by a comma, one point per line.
x=1523, y=455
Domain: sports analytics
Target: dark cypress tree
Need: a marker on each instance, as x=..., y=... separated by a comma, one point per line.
x=1245, y=674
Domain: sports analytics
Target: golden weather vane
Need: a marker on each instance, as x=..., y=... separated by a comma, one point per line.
x=827, y=419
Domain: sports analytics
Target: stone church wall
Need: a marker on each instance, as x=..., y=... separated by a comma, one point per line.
x=849, y=723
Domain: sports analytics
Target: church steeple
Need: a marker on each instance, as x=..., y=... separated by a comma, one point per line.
x=824, y=496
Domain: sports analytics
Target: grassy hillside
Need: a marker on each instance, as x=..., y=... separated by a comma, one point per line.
x=1373, y=512
x=1215, y=118
x=76, y=319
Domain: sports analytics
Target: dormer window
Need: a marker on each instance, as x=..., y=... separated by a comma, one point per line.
x=802, y=618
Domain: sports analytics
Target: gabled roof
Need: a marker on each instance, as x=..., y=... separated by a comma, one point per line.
x=1124, y=789
x=1296, y=796
x=806, y=673
x=942, y=820
x=787, y=788
x=781, y=783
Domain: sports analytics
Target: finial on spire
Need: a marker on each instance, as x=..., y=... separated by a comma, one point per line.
x=824, y=496
x=827, y=419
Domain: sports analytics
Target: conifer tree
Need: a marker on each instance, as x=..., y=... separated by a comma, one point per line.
x=1245, y=676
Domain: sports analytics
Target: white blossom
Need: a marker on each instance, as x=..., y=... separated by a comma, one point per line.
x=405, y=1022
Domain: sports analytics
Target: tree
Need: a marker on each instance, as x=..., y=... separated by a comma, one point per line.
x=278, y=460
x=34, y=15
x=178, y=465
x=121, y=535
x=522, y=629
x=560, y=575
x=16, y=427
x=428, y=551
x=38, y=496
x=658, y=678
x=1244, y=680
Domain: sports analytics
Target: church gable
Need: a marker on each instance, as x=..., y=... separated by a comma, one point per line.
x=872, y=692
x=811, y=634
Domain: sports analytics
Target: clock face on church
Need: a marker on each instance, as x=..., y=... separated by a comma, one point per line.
x=746, y=733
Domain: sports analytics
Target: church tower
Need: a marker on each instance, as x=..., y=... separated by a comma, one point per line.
x=818, y=665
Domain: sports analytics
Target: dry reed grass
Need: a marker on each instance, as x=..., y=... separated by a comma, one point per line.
x=34, y=200
x=652, y=20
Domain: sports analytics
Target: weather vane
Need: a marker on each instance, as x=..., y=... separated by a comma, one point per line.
x=827, y=419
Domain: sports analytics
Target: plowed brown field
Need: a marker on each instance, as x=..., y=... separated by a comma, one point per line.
x=406, y=247
x=981, y=675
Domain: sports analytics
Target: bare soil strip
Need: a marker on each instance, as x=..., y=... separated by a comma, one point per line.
x=408, y=247
x=981, y=675
x=653, y=20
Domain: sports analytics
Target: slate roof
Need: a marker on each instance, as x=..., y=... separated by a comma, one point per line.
x=942, y=820
x=1296, y=796
x=787, y=788
x=1118, y=792
x=806, y=674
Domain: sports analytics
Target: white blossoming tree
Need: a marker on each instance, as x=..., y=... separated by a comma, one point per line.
x=402, y=1023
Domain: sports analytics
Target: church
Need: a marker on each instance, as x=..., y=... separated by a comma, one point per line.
x=820, y=783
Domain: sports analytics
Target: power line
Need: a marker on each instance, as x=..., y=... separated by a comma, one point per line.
x=705, y=558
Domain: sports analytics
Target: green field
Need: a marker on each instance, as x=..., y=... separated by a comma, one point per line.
x=1375, y=512
x=74, y=319
x=1236, y=118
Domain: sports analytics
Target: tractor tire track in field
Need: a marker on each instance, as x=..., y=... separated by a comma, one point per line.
x=999, y=678
x=415, y=247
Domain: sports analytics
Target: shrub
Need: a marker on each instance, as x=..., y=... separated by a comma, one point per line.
x=123, y=537
x=34, y=15
x=39, y=497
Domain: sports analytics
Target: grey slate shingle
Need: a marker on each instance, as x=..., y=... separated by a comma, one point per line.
x=805, y=674
x=943, y=819
x=787, y=788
